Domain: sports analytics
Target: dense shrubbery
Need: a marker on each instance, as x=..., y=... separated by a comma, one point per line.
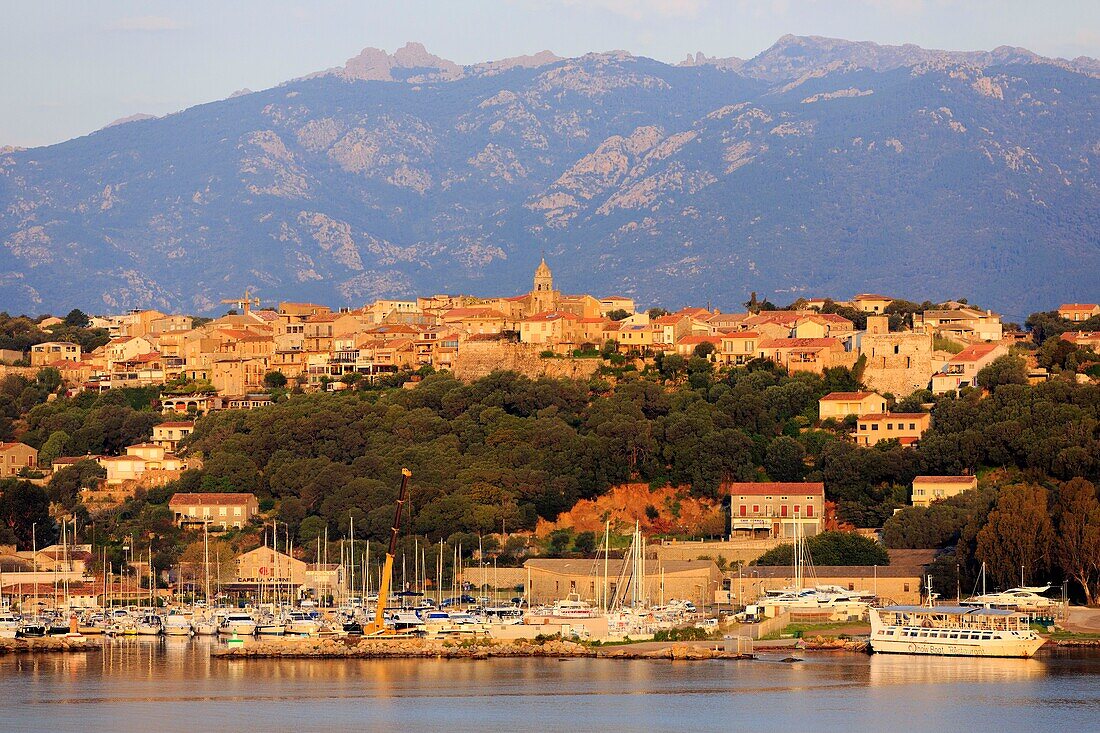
x=831, y=548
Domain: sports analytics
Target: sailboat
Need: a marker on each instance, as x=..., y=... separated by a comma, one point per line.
x=203, y=625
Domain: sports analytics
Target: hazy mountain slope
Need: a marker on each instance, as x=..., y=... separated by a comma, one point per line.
x=812, y=170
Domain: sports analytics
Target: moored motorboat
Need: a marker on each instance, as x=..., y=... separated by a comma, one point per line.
x=238, y=623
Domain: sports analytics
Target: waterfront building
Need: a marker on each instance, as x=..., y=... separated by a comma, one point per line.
x=553, y=579
x=776, y=509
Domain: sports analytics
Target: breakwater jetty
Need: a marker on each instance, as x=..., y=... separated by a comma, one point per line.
x=368, y=648
x=48, y=644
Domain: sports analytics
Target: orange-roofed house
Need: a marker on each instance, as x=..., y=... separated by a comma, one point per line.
x=169, y=434
x=616, y=303
x=839, y=405
x=1078, y=311
x=806, y=354
x=686, y=346
x=927, y=489
x=225, y=510
x=904, y=427
x=667, y=330
x=962, y=369
x=776, y=509
x=1090, y=339
x=475, y=320
x=738, y=347
x=549, y=328
x=14, y=457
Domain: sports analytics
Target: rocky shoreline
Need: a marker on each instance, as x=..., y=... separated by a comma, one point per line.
x=350, y=648
x=47, y=644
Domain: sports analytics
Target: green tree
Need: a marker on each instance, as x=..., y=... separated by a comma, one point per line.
x=1077, y=534
x=831, y=548
x=1003, y=370
x=77, y=319
x=1018, y=535
x=53, y=448
x=25, y=514
x=65, y=485
x=785, y=459
x=275, y=380
x=559, y=542
x=618, y=314
x=584, y=543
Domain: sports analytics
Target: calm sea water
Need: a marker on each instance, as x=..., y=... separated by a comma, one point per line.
x=173, y=685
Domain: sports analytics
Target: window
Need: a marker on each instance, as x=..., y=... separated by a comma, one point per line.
x=809, y=510
x=874, y=427
x=236, y=511
x=755, y=508
x=906, y=587
x=912, y=426
x=851, y=586
x=783, y=510
x=743, y=510
x=889, y=426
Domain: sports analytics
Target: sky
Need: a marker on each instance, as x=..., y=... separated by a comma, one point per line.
x=69, y=67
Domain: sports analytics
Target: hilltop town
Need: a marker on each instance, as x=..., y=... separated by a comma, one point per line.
x=150, y=423
x=230, y=361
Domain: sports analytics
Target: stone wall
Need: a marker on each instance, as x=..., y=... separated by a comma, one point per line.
x=477, y=359
x=28, y=372
x=898, y=363
x=738, y=550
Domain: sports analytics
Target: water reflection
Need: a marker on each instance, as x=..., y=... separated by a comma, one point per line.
x=173, y=684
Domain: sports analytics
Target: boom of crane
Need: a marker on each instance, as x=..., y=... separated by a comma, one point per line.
x=377, y=627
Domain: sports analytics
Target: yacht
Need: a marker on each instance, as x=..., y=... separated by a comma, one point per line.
x=302, y=624
x=149, y=625
x=573, y=607
x=238, y=623
x=9, y=625
x=1023, y=598
x=176, y=624
x=957, y=631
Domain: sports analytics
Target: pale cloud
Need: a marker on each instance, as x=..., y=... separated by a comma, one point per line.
x=642, y=9
x=146, y=24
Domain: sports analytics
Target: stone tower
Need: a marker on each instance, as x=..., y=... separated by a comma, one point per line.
x=543, y=296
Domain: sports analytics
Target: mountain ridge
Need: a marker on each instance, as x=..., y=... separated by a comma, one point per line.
x=820, y=167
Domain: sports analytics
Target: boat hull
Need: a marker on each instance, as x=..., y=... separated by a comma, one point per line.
x=1003, y=648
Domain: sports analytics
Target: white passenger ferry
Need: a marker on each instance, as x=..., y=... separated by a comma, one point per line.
x=958, y=631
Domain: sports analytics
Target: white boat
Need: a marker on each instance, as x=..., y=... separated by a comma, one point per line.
x=176, y=624
x=149, y=625
x=1026, y=598
x=301, y=623
x=239, y=623
x=9, y=625
x=573, y=607
x=957, y=631
x=204, y=627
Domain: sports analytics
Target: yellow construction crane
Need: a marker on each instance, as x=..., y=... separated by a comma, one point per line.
x=243, y=304
x=377, y=627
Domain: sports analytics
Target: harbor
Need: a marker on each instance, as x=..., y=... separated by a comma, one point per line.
x=177, y=683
